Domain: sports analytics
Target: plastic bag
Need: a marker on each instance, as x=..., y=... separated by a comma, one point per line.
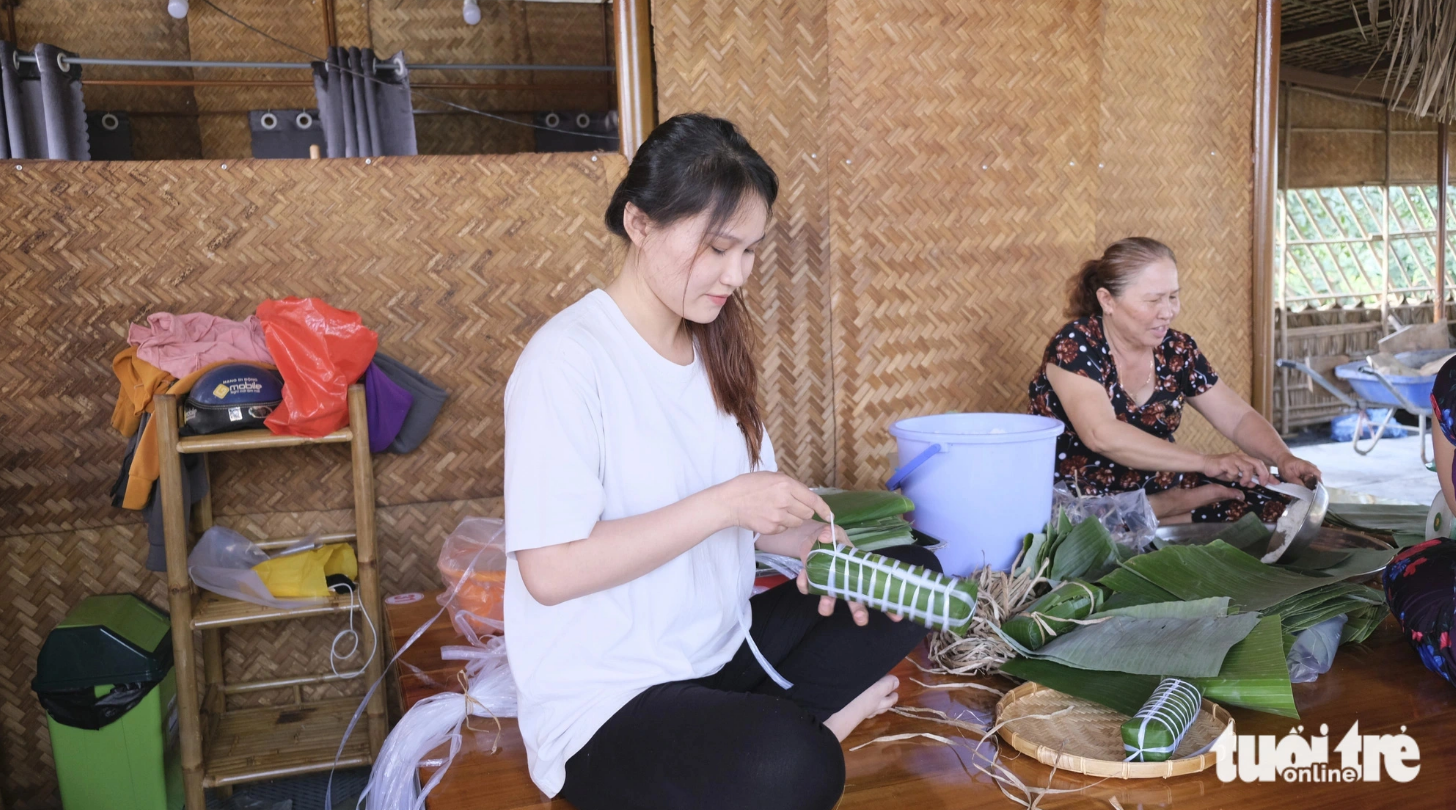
x=1314, y=650
x=1127, y=515
x=223, y=560
x=472, y=565
x=437, y=720
x=320, y=351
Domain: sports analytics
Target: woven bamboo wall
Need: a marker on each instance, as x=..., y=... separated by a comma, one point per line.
x=454, y=261
x=763, y=64
x=1320, y=155
x=980, y=156
x=1175, y=157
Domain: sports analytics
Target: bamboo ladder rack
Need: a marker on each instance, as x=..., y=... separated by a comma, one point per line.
x=222, y=748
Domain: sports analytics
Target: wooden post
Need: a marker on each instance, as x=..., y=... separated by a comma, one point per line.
x=367, y=552
x=1443, y=179
x=1266, y=94
x=179, y=598
x=331, y=28
x=636, y=102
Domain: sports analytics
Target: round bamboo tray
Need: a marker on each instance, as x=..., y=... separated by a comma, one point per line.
x=1088, y=739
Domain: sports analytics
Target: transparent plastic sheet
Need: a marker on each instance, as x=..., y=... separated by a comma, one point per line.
x=1127, y=515
x=489, y=692
x=1314, y=650
x=223, y=560
x=472, y=566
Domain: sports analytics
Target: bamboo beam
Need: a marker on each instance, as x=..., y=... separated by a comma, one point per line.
x=1443, y=174
x=331, y=30
x=309, y=83
x=1266, y=94
x=179, y=597
x=636, y=102
x=367, y=553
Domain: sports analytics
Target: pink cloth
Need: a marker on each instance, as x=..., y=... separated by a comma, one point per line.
x=181, y=344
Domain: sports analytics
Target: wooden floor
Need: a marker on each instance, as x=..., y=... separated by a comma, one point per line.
x=1380, y=683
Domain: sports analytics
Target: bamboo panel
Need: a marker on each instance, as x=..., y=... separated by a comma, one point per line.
x=454, y=261
x=1176, y=112
x=764, y=65
x=948, y=276
x=299, y=23
x=125, y=29
x=225, y=136
x=47, y=574
x=351, y=23
x=1325, y=159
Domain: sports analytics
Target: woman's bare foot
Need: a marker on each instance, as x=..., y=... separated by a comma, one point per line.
x=875, y=700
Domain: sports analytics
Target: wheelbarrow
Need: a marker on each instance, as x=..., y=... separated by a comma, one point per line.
x=1375, y=389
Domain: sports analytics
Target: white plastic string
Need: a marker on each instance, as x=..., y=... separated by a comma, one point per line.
x=938, y=589
x=1174, y=703
x=350, y=632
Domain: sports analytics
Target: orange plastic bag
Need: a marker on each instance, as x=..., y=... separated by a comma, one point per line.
x=320, y=351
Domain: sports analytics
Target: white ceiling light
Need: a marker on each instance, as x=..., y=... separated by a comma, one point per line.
x=177, y=8
x=471, y=11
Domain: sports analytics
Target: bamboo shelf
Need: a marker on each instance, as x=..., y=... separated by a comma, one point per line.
x=213, y=611
x=269, y=743
x=255, y=440
x=222, y=748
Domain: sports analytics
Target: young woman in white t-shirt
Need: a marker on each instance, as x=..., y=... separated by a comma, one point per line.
x=638, y=482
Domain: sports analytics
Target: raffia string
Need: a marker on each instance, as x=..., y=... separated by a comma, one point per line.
x=982, y=651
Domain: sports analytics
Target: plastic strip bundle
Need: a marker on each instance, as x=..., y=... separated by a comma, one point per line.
x=436, y=720
x=935, y=600
x=1154, y=733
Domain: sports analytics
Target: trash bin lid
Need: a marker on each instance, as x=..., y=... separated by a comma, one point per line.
x=107, y=639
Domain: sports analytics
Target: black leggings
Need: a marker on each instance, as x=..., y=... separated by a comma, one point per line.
x=735, y=739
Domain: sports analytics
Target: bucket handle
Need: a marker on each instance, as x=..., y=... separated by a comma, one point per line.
x=912, y=465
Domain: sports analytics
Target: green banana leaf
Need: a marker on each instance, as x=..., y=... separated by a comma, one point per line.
x=1378, y=517
x=1181, y=648
x=1118, y=691
x=1192, y=609
x=1362, y=622
x=1218, y=569
x=1254, y=675
x=1125, y=581
x=852, y=507
x=1088, y=550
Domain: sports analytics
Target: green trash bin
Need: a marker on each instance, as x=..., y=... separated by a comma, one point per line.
x=104, y=676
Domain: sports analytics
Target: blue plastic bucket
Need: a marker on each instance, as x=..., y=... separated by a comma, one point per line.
x=980, y=482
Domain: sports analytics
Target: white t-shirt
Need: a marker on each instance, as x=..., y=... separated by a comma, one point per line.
x=600, y=426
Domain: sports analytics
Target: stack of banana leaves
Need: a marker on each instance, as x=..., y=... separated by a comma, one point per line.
x=873, y=519
x=1116, y=623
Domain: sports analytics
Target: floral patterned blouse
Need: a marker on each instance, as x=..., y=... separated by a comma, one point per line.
x=1081, y=348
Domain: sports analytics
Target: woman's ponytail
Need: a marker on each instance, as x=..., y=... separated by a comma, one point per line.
x=1113, y=271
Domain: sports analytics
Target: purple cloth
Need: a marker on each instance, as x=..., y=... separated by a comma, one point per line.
x=388, y=405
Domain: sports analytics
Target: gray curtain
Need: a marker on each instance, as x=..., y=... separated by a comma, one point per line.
x=364, y=113
x=43, y=115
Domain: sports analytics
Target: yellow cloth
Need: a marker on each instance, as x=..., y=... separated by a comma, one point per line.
x=139, y=381
x=303, y=575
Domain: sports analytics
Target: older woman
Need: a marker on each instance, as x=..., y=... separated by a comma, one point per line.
x=1117, y=377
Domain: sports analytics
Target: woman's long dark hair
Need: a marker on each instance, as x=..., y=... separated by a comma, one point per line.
x=691, y=164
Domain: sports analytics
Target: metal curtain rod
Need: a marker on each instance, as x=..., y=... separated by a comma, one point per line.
x=385, y=64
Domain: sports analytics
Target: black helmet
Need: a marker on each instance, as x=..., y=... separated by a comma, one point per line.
x=236, y=396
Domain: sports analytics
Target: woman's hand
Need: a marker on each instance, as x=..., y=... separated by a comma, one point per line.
x=1238, y=468
x=1298, y=471
x=767, y=502
x=857, y=610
